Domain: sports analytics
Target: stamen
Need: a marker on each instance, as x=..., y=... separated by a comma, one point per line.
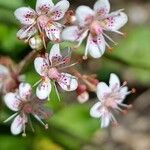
x=11, y=117
x=46, y=126
x=68, y=66
x=133, y=90
x=36, y=117
x=110, y=38
x=35, y=84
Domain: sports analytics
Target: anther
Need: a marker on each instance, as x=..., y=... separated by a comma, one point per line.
x=46, y=126
x=133, y=90
x=84, y=57
x=125, y=83
x=24, y=135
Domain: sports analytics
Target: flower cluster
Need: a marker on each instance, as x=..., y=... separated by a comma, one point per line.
x=54, y=23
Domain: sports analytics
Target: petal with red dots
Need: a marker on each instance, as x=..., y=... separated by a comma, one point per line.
x=59, y=10
x=115, y=21
x=84, y=15
x=68, y=82
x=25, y=91
x=96, y=46
x=44, y=6
x=102, y=7
x=41, y=65
x=44, y=88
x=17, y=125
x=25, y=15
x=53, y=31
x=26, y=32
x=11, y=101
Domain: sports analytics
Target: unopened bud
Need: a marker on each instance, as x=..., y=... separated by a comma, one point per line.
x=83, y=97
x=36, y=42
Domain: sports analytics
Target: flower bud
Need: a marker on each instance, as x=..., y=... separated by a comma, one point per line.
x=83, y=97
x=36, y=42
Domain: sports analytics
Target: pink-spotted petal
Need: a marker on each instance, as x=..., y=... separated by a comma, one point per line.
x=44, y=88
x=59, y=10
x=102, y=7
x=114, y=81
x=102, y=90
x=26, y=32
x=96, y=110
x=53, y=31
x=115, y=22
x=25, y=91
x=68, y=82
x=41, y=66
x=105, y=120
x=44, y=6
x=84, y=15
x=96, y=46
x=71, y=33
x=11, y=101
x=55, y=55
x=25, y=15
x=17, y=125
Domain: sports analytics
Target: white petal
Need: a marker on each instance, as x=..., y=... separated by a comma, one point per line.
x=105, y=120
x=96, y=110
x=115, y=22
x=71, y=33
x=4, y=70
x=43, y=6
x=60, y=9
x=25, y=15
x=84, y=15
x=25, y=90
x=123, y=92
x=17, y=125
x=102, y=89
x=54, y=52
x=41, y=65
x=68, y=82
x=53, y=32
x=26, y=32
x=43, y=90
x=102, y=7
x=96, y=46
x=114, y=81
x=11, y=101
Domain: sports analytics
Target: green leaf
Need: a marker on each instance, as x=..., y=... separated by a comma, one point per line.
x=76, y=121
x=11, y=4
x=11, y=142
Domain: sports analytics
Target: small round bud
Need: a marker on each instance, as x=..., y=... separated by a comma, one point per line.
x=83, y=97
x=36, y=42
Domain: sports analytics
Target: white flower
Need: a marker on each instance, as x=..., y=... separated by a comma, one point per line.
x=24, y=104
x=44, y=19
x=93, y=24
x=110, y=98
x=50, y=69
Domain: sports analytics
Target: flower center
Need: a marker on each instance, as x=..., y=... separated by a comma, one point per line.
x=95, y=28
x=110, y=102
x=53, y=73
x=42, y=20
x=27, y=108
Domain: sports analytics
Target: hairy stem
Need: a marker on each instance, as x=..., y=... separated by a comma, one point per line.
x=26, y=61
